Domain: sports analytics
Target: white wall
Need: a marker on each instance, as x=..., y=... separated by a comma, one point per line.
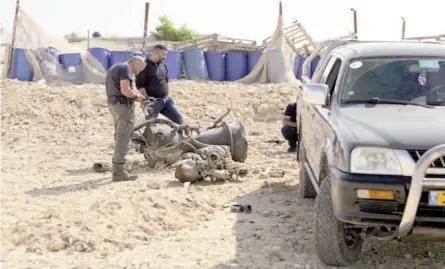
x=4, y=53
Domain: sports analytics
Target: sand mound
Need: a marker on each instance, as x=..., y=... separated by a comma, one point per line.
x=39, y=102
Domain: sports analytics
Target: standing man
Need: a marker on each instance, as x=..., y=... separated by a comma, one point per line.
x=121, y=98
x=289, y=129
x=153, y=82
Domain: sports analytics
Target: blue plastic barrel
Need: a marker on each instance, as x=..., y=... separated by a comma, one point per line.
x=252, y=59
x=216, y=65
x=21, y=69
x=236, y=65
x=298, y=66
x=314, y=64
x=173, y=62
x=52, y=51
x=119, y=56
x=72, y=62
x=102, y=55
x=195, y=64
x=139, y=53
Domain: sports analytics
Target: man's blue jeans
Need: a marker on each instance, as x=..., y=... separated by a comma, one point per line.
x=168, y=108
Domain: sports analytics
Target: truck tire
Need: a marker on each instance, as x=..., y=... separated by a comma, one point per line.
x=306, y=190
x=334, y=245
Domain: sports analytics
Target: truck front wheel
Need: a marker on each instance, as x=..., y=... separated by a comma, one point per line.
x=335, y=245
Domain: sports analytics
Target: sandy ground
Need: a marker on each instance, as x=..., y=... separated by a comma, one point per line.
x=57, y=213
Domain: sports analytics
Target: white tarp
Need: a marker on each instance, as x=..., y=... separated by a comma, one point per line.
x=276, y=63
x=34, y=39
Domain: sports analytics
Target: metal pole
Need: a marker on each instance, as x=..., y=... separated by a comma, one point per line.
x=355, y=22
x=144, y=42
x=403, y=27
x=1, y=33
x=88, y=39
x=14, y=28
x=418, y=180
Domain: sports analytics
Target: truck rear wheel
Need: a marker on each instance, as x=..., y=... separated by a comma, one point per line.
x=335, y=245
x=306, y=190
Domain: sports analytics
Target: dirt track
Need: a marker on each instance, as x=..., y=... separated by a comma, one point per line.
x=52, y=201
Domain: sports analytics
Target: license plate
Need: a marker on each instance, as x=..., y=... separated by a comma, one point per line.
x=436, y=198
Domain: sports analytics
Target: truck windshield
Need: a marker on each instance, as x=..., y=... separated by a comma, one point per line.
x=420, y=81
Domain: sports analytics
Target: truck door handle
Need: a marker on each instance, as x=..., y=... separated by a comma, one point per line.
x=313, y=115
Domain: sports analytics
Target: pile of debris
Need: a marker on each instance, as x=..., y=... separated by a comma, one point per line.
x=218, y=153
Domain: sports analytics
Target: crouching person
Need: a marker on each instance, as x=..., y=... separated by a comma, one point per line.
x=289, y=129
x=121, y=98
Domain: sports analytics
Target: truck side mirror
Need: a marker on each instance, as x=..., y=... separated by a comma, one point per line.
x=315, y=93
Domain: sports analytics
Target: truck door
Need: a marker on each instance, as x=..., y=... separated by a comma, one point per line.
x=304, y=109
x=318, y=114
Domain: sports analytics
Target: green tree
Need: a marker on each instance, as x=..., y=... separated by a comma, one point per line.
x=96, y=34
x=166, y=31
x=74, y=37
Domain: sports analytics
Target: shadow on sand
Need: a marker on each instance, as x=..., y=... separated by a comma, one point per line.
x=278, y=234
x=200, y=184
x=135, y=168
x=86, y=185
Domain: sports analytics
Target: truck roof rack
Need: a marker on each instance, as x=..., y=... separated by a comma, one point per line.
x=322, y=49
x=436, y=38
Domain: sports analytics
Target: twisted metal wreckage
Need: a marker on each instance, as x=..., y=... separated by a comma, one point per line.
x=218, y=153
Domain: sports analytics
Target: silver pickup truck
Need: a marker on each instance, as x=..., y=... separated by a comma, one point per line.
x=372, y=144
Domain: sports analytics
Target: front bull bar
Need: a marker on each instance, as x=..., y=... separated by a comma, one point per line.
x=418, y=181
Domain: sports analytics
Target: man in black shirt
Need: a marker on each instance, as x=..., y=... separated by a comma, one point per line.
x=153, y=82
x=289, y=129
x=121, y=97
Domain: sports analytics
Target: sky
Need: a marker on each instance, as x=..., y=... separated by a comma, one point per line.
x=248, y=19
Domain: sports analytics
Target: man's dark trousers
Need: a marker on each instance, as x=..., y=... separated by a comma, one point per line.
x=290, y=134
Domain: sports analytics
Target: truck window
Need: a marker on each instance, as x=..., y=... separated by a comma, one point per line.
x=331, y=81
x=330, y=74
x=327, y=70
x=413, y=79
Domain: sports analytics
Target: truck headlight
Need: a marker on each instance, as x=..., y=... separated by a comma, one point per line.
x=368, y=160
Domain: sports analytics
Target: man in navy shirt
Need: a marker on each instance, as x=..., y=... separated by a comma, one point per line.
x=153, y=82
x=289, y=129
